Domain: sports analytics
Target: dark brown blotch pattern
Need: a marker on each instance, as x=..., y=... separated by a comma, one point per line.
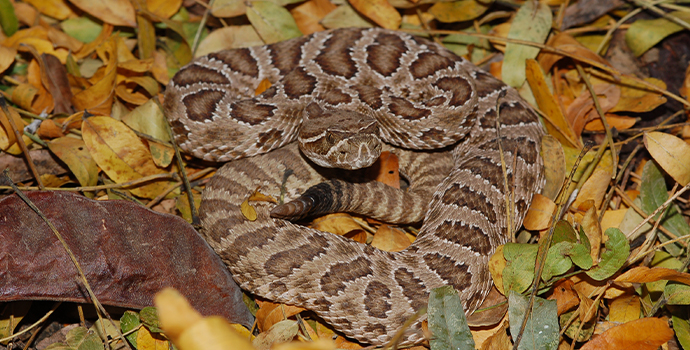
x=463, y=196
x=456, y=273
x=487, y=84
x=369, y=95
x=459, y=87
x=298, y=83
x=406, y=110
x=196, y=74
x=333, y=280
x=286, y=54
x=251, y=112
x=384, y=55
x=336, y=60
x=283, y=263
x=428, y=63
x=469, y=236
x=335, y=96
x=201, y=105
x=414, y=289
x=269, y=138
x=238, y=60
x=376, y=297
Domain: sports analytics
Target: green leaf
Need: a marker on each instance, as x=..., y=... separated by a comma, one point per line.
x=580, y=256
x=8, y=19
x=573, y=326
x=557, y=263
x=563, y=232
x=79, y=339
x=273, y=22
x=519, y=271
x=15, y=312
x=677, y=293
x=128, y=321
x=82, y=28
x=653, y=193
x=682, y=330
x=447, y=321
x=613, y=257
x=149, y=317
x=531, y=24
x=643, y=34
x=542, y=327
x=345, y=16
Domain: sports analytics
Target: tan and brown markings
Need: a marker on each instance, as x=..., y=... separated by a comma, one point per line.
x=422, y=97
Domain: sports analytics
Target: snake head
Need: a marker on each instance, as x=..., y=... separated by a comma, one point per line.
x=339, y=138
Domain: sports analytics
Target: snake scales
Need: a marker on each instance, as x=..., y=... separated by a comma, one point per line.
x=336, y=93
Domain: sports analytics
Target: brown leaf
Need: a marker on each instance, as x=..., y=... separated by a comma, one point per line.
x=566, y=297
x=645, y=333
x=54, y=77
x=390, y=239
x=643, y=274
x=126, y=251
x=625, y=308
x=271, y=313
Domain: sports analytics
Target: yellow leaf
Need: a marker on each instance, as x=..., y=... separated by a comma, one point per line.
x=151, y=341
x=672, y=153
x=379, y=11
x=390, y=239
x=539, y=214
x=248, y=211
x=459, y=11
x=230, y=37
x=496, y=265
x=115, y=12
x=57, y=9
x=98, y=98
x=638, y=99
x=260, y=197
x=309, y=14
x=336, y=223
x=556, y=123
x=625, y=308
x=7, y=55
x=321, y=344
x=189, y=331
x=74, y=153
x=164, y=8
x=263, y=86
x=594, y=188
x=121, y=154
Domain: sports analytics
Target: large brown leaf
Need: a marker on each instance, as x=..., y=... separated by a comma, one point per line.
x=127, y=252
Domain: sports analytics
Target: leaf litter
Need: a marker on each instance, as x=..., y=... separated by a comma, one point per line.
x=92, y=74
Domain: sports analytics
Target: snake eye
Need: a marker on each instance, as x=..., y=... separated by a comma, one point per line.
x=330, y=137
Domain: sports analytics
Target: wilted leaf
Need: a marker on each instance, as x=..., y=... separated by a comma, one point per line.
x=541, y=331
x=672, y=154
x=271, y=313
x=379, y=11
x=539, y=213
x=645, y=333
x=281, y=332
x=557, y=126
x=345, y=16
x=532, y=24
x=57, y=9
x=189, y=331
x=447, y=321
x=11, y=316
x=273, y=22
x=115, y=12
x=229, y=38
x=309, y=14
x=121, y=154
x=136, y=244
x=390, y=239
x=459, y=11
x=643, y=34
x=639, y=99
x=73, y=152
x=564, y=294
x=624, y=308
x=594, y=188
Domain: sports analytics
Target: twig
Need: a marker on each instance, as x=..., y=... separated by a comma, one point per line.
x=164, y=176
x=33, y=325
x=20, y=142
x=597, y=106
